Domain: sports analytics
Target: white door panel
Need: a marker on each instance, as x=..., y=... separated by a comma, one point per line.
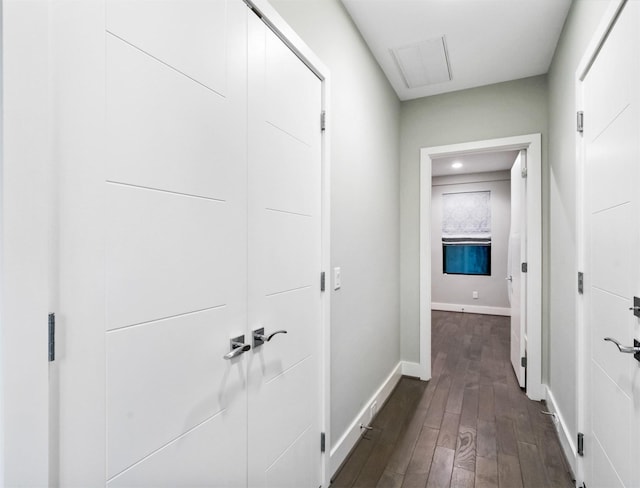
x=614, y=155
x=286, y=252
x=612, y=245
x=170, y=254
x=283, y=408
x=190, y=36
x=184, y=462
x=287, y=160
x=291, y=311
x=294, y=468
x=611, y=429
x=288, y=105
x=166, y=378
x=620, y=89
x=187, y=148
x=284, y=264
x=516, y=282
x=611, y=317
x=612, y=268
x=602, y=472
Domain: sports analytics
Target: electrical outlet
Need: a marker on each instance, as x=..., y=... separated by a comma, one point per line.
x=372, y=410
x=475, y=295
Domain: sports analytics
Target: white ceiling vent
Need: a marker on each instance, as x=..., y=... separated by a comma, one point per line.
x=423, y=63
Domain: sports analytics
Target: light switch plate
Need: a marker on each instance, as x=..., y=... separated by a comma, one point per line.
x=337, y=280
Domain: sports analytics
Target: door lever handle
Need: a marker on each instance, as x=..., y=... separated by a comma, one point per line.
x=509, y=278
x=635, y=349
x=259, y=337
x=238, y=347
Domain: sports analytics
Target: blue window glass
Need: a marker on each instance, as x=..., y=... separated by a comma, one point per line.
x=467, y=259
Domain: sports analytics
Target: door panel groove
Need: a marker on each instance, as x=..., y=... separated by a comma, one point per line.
x=161, y=190
x=151, y=322
x=165, y=63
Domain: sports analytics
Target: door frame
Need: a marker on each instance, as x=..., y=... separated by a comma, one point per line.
x=533, y=144
x=279, y=26
x=591, y=52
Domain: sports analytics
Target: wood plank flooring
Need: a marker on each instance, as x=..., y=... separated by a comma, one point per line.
x=470, y=426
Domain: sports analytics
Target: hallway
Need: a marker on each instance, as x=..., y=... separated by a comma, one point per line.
x=471, y=425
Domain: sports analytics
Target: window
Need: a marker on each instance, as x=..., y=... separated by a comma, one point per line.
x=465, y=259
x=466, y=233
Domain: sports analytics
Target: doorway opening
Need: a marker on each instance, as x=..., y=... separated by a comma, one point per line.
x=430, y=159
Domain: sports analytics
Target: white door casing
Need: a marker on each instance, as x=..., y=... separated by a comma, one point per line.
x=146, y=398
x=532, y=143
x=609, y=239
x=516, y=279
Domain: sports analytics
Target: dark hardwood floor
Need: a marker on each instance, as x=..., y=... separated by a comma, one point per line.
x=470, y=426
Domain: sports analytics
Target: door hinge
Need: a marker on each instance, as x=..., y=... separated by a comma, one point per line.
x=322, y=281
x=580, y=282
x=525, y=267
x=523, y=362
x=322, y=442
x=52, y=337
x=580, y=121
x=580, y=444
x=323, y=120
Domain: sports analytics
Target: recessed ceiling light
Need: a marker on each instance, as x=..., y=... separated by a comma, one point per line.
x=456, y=165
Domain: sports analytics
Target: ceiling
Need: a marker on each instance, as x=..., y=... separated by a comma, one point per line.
x=474, y=163
x=486, y=41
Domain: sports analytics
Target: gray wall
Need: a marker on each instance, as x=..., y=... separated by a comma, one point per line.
x=500, y=110
x=364, y=119
x=457, y=289
x=583, y=18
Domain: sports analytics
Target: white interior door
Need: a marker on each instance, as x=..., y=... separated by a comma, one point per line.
x=284, y=264
x=194, y=243
x=516, y=279
x=174, y=196
x=612, y=268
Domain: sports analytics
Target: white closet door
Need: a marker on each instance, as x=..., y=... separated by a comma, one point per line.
x=612, y=272
x=176, y=243
x=284, y=264
x=173, y=190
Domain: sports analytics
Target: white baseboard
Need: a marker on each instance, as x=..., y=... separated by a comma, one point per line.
x=411, y=369
x=481, y=309
x=566, y=439
x=348, y=440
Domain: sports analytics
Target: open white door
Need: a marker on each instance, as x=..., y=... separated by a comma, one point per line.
x=516, y=279
x=611, y=239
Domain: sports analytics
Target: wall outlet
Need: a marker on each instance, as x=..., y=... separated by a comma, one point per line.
x=475, y=295
x=372, y=410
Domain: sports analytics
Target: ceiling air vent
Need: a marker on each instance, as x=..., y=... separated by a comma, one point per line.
x=423, y=63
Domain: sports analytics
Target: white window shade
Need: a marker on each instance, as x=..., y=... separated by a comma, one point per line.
x=466, y=218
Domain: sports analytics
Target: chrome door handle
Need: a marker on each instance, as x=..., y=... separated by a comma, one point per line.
x=635, y=349
x=509, y=278
x=260, y=338
x=238, y=347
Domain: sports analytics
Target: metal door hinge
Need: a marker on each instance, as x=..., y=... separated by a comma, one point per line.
x=525, y=267
x=580, y=282
x=580, y=121
x=322, y=442
x=322, y=281
x=323, y=120
x=52, y=336
x=523, y=362
x=580, y=444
